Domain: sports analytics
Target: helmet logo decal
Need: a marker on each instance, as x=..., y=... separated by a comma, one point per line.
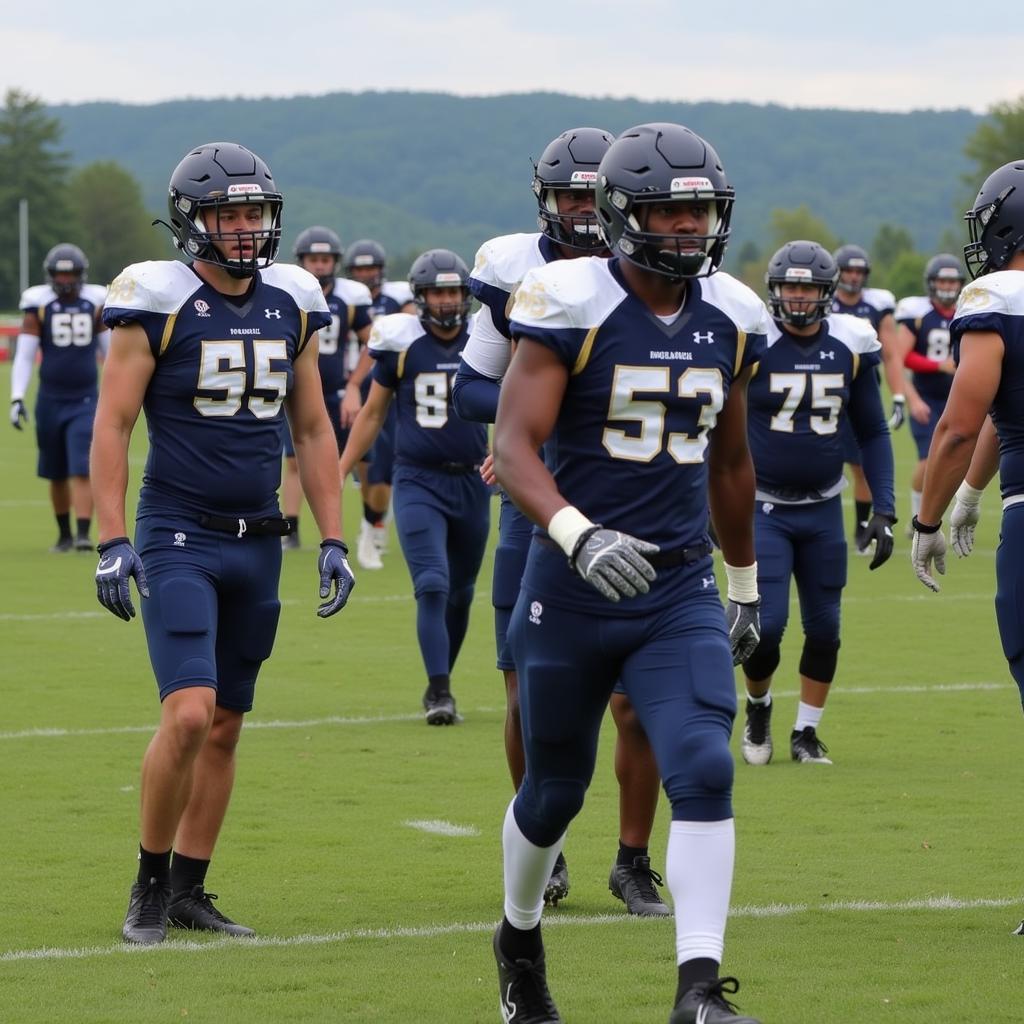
x=246, y=188
x=696, y=186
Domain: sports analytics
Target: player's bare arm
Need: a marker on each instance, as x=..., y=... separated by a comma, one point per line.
x=904, y=345
x=352, y=399
x=365, y=428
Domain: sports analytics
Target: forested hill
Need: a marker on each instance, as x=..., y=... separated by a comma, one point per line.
x=422, y=169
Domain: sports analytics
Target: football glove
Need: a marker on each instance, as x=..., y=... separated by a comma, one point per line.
x=119, y=561
x=964, y=518
x=334, y=570
x=19, y=414
x=879, y=530
x=744, y=623
x=899, y=412
x=928, y=549
x=613, y=563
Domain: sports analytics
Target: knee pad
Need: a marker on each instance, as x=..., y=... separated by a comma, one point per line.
x=764, y=661
x=430, y=581
x=703, y=774
x=819, y=658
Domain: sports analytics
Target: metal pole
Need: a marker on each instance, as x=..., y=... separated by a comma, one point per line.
x=23, y=242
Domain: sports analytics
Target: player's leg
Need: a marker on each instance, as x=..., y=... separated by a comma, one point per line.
x=377, y=498
x=291, y=488
x=78, y=440
x=861, y=490
x=922, y=435
x=469, y=527
x=632, y=880
x=820, y=572
x=774, y=548
x=52, y=466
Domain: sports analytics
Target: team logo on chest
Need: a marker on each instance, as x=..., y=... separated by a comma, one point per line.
x=202, y=307
x=272, y=314
x=827, y=355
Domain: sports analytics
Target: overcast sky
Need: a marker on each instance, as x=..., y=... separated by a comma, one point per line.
x=864, y=55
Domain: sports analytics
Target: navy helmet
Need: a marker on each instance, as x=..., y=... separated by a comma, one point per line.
x=659, y=163
x=996, y=220
x=570, y=162
x=66, y=258
x=209, y=178
x=944, y=277
x=852, y=257
x=366, y=253
x=319, y=240
x=801, y=262
x=440, y=268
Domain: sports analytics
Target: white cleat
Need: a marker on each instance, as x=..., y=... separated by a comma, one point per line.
x=367, y=554
x=756, y=746
x=380, y=538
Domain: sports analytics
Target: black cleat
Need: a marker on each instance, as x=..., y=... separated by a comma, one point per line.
x=805, y=746
x=83, y=544
x=558, y=884
x=635, y=886
x=705, y=1003
x=1019, y=930
x=523, y=996
x=145, y=924
x=195, y=910
x=756, y=746
x=63, y=544
x=440, y=708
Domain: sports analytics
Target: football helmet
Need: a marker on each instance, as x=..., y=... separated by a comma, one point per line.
x=319, y=240
x=996, y=220
x=659, y=163
x=210, y=177
x=440, y=268
x=801, y=262
x=570, y=162
x=366, y=253
x=944, y=277
x=852, y=257
x=66, y=258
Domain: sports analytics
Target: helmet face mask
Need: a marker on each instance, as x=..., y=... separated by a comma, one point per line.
x=801, y=263
x=944, y=279
x=440, y=269
x=995, y=223
x=319, y=241
x=854, y=268
x=66, y=265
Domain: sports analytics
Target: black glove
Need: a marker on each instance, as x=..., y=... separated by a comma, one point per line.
x=744, y=623
x=334, y=569
x=879, y=530
x=899, y=412
x=613, y=563
x=119, y=561
x=19, y=414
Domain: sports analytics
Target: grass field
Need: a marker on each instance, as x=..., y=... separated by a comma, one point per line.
x=883, y=888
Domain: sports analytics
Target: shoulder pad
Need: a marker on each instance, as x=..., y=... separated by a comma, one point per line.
x=300, y=284
x=397, y=290
x=95, y=293
x=36, y=296
x=741, y=304
x=564, y=294
x=503, y=261
x=1001, y=292
x=395, y=332
x=774, y=333
x=854, y=332
x=880, y=298
x=158, y=286
x=913, y=307
x=352, y=293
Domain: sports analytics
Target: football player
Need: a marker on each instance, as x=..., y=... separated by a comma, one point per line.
x=212, y=349
x=62, y=321
x=817, y=372
x=924, y=343
x=876, y=305
x=318, y=250
x=984, y=414
x=442, y=506
x=563, y=186
x=366, y=261
x=632, y=373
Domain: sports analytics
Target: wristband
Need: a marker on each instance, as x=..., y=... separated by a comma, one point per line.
x=968, y=495
x=566, y=527
x=742, y=583
x=901, y=399
x=108, y=544
x=333, y=542
x=922, y=528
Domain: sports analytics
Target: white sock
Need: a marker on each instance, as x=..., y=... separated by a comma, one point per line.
x=766, y=699
x=527, y=870
x=915, y=502
x=698, y=868
x=806, y=715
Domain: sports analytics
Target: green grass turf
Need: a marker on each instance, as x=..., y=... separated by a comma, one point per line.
x=841, y=871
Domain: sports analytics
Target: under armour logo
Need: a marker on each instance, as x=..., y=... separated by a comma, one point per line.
x=536, y=608
x=242, y=527
x=698, y=337
x=179, y=540
x=767, y=507
x=707, y=581
x=827, y=355
x=272, y=314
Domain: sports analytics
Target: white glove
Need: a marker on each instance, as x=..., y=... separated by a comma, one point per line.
x=964, y=518
x=926, y=549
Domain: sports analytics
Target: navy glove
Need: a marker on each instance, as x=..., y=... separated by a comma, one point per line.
x=19, y=414
x=334, y=568
x=119, y=561
x=613, y=563
x=879, y=530
x=744, y=623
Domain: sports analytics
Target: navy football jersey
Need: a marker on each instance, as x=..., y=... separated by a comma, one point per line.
x=392, y=297
x=223, y=369
x=349, y=305
x=797, y=400
x=872, y=305
x=419, y=368
x=630, y=442
x=68, y=339
x=930, y=328
x=995, y=302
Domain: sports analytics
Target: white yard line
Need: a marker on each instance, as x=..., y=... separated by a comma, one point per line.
x=438, y=827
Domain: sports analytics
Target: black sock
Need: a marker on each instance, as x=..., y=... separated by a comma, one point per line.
x=438, y=684
x=517, y=944
x=64, y=525
x=82, y=527
x=863, y=509
x=627, y=854
x=693, y=971
x=154, y=865
x=293, y=522
x=373, y=518
x=187, y=873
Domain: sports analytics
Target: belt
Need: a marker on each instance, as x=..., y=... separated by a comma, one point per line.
x=660, y=559
x=240, y=526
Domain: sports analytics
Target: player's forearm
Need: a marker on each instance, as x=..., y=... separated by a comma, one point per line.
x=948, y=459
x=892, y=365
x=362, y=370
x=24, y=360
x=316, y=457
x=526, y=479
x=985, y=460
x=108, y=475
x=731, y=497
